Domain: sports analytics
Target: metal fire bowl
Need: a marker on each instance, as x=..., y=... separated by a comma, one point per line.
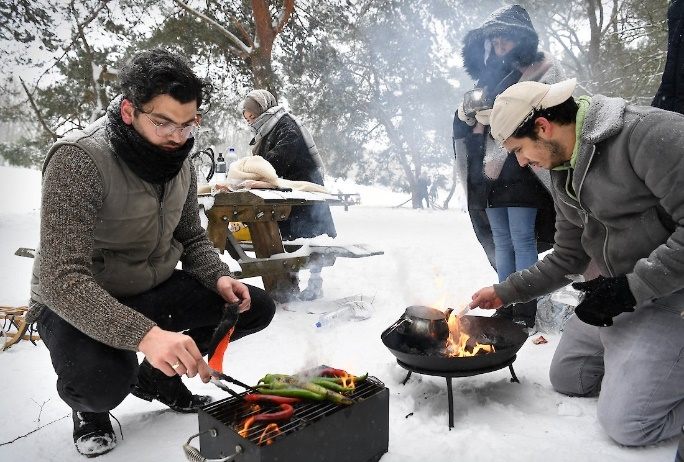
x=506, y=336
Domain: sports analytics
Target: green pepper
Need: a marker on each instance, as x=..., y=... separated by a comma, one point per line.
x=353, y=378
x=275, y=384
x=268, y=378
x=293, y=392
x=328, y=394
x=330, y=385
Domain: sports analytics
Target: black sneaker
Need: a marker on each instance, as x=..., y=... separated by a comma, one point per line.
x=93, y=433
x=525, y=314
x=505, y=312
x=522, y=314
x=154, y=384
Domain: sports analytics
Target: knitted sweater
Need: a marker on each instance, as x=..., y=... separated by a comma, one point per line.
x=72, y=194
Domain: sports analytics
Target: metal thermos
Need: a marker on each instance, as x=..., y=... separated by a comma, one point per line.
x=220, y=167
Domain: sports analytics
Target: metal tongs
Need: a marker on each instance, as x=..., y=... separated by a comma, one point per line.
x=218, y=379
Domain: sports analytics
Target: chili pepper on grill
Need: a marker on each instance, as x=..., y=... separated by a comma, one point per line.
x=285, y=412
x=332, y=372
x=258, y=397
x=291, y=392
x=269, y=378
x=328, y=394
x=352, y=378
x=330, y=385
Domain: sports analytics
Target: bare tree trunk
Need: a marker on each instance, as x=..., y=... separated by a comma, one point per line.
x=254, y=48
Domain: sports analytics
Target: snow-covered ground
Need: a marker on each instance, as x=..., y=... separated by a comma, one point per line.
x=428, y=254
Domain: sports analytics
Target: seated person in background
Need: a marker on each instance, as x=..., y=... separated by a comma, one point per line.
x=288, y=147
x=119, y=211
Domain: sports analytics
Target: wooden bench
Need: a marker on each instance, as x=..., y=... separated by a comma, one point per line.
x=296, y=256
x=347, y=199
x=261, y=210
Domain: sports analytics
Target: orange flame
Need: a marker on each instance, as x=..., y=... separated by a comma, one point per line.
x=244, y=431
x=272, y=430
x=348, y=380
x=457, y=344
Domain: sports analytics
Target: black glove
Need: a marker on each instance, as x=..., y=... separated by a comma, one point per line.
x=604, y=298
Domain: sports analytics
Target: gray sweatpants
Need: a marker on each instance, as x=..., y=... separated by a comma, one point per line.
x=637, y=364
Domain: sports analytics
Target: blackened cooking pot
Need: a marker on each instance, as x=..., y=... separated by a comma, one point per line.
x=423, y=327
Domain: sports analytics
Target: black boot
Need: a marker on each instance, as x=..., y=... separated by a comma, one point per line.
x=505, y=312
x=525, y=314
x=93, y=433
x=154, y=384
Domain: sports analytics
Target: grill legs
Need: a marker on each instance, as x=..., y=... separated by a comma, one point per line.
x=408, y=376
x=450, y=396
x=513, y=376
x=450, y=392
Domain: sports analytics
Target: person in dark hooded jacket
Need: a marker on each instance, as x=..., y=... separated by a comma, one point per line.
x=288, y=146
x=670, y=95
x=511, y=210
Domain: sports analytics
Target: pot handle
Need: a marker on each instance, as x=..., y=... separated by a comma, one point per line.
x=396, y=324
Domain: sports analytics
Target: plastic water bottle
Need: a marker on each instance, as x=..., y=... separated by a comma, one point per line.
x=231, y=156
x=220, y=167
x=350, y=311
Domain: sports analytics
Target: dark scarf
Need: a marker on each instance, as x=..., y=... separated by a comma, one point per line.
x=147, y=161
x=499, y=74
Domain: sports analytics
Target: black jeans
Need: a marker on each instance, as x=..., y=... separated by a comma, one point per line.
x=94, y=377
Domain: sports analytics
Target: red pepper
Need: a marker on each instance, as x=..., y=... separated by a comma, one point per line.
x=256, y=397
x=332, y=372
x=286, y=411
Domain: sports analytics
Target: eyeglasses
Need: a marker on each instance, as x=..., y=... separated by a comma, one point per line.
x=166, y=129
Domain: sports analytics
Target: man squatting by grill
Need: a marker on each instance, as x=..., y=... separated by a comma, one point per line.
x=119, y=211
x=617, y=173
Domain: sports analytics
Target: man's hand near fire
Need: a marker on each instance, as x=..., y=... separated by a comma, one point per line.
x=233, y=291
x=174, y=353
x=486, y=298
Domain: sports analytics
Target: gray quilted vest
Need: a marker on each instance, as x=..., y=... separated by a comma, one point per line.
x=133, y=245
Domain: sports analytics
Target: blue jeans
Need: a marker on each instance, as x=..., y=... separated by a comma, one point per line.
x=515, y=241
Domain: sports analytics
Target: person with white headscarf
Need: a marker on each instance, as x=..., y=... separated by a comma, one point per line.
x=287, y=145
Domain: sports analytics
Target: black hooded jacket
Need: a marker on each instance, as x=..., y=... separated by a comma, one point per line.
x=515, y=186
x=670, y=95
x=284, y=147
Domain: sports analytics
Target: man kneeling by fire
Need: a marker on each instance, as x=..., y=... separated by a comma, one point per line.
x=616, y=172
x=119, y=211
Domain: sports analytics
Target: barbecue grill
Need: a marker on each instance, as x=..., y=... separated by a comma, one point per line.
x=506, y=337
x=318, y=431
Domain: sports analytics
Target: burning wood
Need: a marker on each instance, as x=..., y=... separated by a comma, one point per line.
x=460, y=344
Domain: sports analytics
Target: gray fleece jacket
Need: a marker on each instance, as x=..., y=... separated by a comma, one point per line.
x=629, y=212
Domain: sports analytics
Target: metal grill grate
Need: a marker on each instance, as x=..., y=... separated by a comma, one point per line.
x=233, y=411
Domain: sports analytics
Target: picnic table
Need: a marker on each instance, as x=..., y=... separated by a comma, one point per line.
x=274, y=260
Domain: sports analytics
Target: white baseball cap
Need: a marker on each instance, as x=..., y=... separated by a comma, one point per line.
x=518, y=102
